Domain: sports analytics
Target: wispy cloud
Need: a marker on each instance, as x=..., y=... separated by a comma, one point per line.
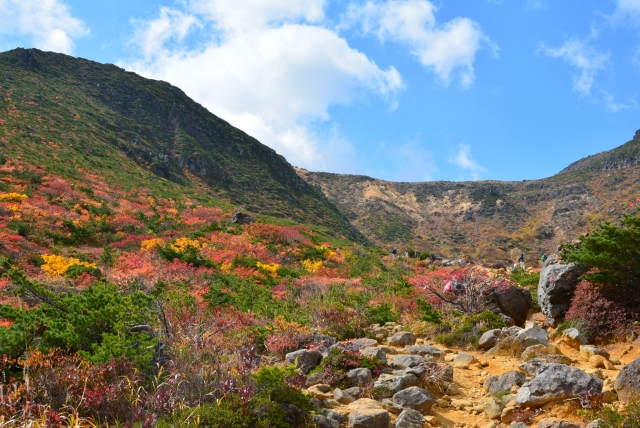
x=627, y=11
x=448, y=49
x=582, y=56
x=463, y=158
x=48, y=23
x=536, y=5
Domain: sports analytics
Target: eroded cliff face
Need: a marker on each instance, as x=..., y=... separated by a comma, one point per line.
x=489, y=220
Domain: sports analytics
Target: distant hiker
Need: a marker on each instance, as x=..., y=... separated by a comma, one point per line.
x=455, y=287
x=521, y=258
x=543, y=258
x=394, y=252
x=432, y=257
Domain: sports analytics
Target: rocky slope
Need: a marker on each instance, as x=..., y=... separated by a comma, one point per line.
x=68, y=115
x=489, y=220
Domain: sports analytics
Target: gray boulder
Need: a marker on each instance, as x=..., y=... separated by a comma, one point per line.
x=598, y=423
x=402, y=338
x=360, y=344
x=504, y=382
x=410, y=418
x=414, y=398
x=628, y=381
x=588, y=351
x=493, y=408
x=304, y=359
x=555, y=289
x=424, y=350
x=489, y=339
x=532, y=366
x=369, y=418
x=531, y=335
x=556, y=423
x=556, y=382
x=405, y=361
x=359, y=376
x=463, y=360
x=342, y=396
x=573, y=338
x=514, y=302
x=293, y=415
x=375, y=353
x=334, y=415
x=324, y=422
x=388, y=384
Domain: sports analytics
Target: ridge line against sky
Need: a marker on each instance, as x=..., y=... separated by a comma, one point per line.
x=404, y=90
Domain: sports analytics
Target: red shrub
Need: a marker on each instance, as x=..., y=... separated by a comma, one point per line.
x=603, y=312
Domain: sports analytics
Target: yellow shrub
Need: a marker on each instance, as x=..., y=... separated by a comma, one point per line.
x=150, y=244
x=58, y=265
x=272, y=269
x=181, y=244
x=311, y=266
x=12, y=197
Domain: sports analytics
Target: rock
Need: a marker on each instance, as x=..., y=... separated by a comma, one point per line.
x=293, y=415
x=493, y=408
x=323, y=422
x=320, y=391
x=316, y=403
x=573, y=338
x=424, y=350
x=369, y=418
x=504, y=382
x=431, y=420
x=511, y=331
x=330, y=403
x=461, y=404
x=556, y=382
x=391, y=406
x=374, y=353
x=414, y=398
x=556, y=423
x=531, y=335
x=628, y=381
x=514, y=302
x=555, y=289
x=304, y=359
x=241, y=218
x=507, y=346
x=360, y=344
x=463, y=360
x=359, y=376
x=539, y=351
x=402, y=338
x=489, y=339
x=354, y=391
x=315, y=379
x=363, y=403
x=598, y=361
x=507, y=415
x=387, y=349
x=442, y=403
x=387, y=384
x=342, y=397
x=491, y=424
x=588, y=351
x=410, y=418
x=334, y=415
x=519, y=425
x=598, y=423
x=406, y=361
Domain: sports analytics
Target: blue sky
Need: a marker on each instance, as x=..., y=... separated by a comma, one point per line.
x=404, y=90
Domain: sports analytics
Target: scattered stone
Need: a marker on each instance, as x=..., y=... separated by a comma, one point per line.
x=507, y=346
x=315, y=379
x=324, y=422
x=556, y=382
x=504, y=382
x=598, y=423
x=330, y=403
x=388, y=384
x=510, y=302
x=489, y=339
x=491, y=424
x=531, y=335
x=410, y=418
x=493, y=408
x=556, y=423
x=334, y=415
x=241, y=218
x=463, y=360
x=628, y=381
x=537, y=351
x=588, y=351
x=369, y=418
x=414, y=398
x=424, y=350
x=315, y=403
x=442, y=403
x=363, y=342
x=391, y=406
x=375, y=353
x=461, y=404
x=507, y=415
x=359, y=376
x=556, y=287
x=431, y=420
x=342, y=397
x=402, y=338
x=573, y=338
x=293, y=415
x=387, y=349
x=519, y=425
x=320, y=391
x=354, y=391
x=304, y=359
x=405, y=361
x=598, y=361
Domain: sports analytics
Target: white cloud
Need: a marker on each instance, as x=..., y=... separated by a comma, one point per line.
x=610, y=103
x=47, y=23
x=579, y=54
x=267, y=66
x=536, y=5
x=448, y=49
x=627, y=10
x=463, y=158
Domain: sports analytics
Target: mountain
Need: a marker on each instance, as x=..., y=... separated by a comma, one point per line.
x=70, y=115
x=489, y=220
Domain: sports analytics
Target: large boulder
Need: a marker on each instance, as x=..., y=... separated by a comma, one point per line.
x=369, y=418
x=424, y=350
x=556, y=382
x=388, y=384
x=410, y=418
x=532, y=335
x=573, y=338
x=304, y=359
x=509, y=300
x=493, y=408
x=402, y=338
x=359, y=376
x=556, y=287
x=293, y=415
x=374, y=353
x=628, y=381
x=463, y=360
x=414, y=398
x=403, y=361
x=556, y=423
x=504, y=382
x=323, y=422
x=489, y=339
